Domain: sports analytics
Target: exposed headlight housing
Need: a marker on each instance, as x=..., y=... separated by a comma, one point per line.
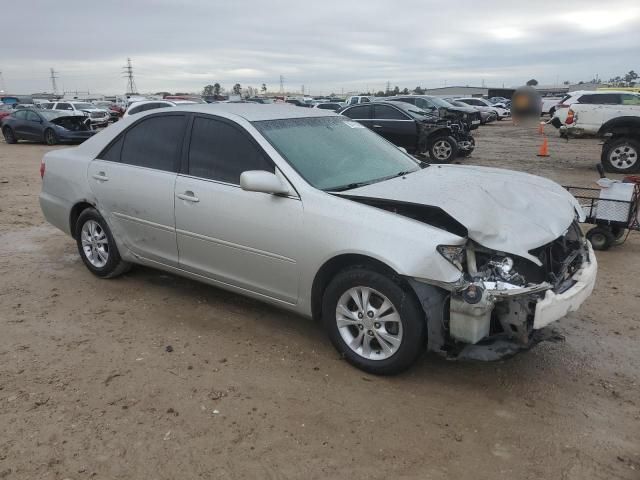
x=453, y=253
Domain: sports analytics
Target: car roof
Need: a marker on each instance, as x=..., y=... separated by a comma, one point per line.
x=254, y=112
x=598, y=92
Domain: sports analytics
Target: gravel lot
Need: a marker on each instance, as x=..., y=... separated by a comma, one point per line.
x=89, y=387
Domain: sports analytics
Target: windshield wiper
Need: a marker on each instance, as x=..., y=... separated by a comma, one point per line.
x=351, y=186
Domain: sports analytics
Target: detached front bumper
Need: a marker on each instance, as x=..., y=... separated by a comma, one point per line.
x=554, y=306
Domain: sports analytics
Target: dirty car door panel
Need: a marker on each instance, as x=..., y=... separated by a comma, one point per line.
x=133, y=180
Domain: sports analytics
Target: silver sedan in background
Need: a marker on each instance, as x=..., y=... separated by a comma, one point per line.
x=310, y=211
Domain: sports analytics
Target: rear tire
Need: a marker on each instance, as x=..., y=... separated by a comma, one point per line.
x=621, y=155
x=601, y=238
x=97, y=247
x=383, y=332
x=9, y=136
x=443, y=149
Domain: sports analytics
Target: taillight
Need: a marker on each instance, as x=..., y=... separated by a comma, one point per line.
x=42, y=168
x=570, y=117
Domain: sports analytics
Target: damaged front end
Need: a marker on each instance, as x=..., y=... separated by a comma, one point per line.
x=502, y=301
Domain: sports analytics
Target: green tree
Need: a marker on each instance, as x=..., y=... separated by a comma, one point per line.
x=532, y=83
x=418, y=90
x=631, y=77
x=405, y=91
x=237, y=89
x=379, y=93
x=263, y=89
x=396, y=90
x=216, y=89
x=207, y=90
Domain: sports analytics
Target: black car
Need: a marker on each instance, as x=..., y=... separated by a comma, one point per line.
x=468, y=115
x=263, y=100
x=48, y=126
x=418, y=131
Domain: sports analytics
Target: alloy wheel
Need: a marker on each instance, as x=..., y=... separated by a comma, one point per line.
x=369, y=323
x=95, y=243
x=442, y=149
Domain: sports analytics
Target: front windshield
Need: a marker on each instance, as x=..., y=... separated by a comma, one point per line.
x=334, y=153
x=85, y=106
x=440, y=102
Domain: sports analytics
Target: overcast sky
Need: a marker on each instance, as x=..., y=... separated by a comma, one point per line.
x=326, y=45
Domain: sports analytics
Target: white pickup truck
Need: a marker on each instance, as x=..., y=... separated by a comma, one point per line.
x=618, y=125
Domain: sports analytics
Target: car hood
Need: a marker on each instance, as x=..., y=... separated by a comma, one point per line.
x=507, y=211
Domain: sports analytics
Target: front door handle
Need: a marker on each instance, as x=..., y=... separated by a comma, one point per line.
x=377, y=126
x=188, y=196
x=100, y=176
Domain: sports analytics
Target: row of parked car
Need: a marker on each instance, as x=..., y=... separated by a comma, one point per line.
x=424, y=126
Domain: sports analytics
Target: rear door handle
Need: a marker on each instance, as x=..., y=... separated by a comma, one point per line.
x=100, y=176
x=377, y=126
x=188, y=196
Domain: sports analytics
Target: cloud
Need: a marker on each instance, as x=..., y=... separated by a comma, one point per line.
x=326, y=46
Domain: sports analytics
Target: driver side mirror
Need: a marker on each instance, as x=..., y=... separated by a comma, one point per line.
x=263, y=181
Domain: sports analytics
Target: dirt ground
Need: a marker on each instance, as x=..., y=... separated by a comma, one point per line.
x=89, y=387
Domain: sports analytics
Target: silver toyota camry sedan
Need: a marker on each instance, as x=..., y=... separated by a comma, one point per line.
x=307, y=210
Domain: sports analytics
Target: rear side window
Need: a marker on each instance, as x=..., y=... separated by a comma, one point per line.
x=220, y=151
x=33, y=117
x=154, y=143
x=137, y=109
x=601, y=99
x=385, y=112
x=112, y=152
x=64, y=106
x=20, y=114
x=359, y=113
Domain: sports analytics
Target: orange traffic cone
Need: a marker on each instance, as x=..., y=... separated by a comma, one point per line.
x=541, y=128
x=544, y=148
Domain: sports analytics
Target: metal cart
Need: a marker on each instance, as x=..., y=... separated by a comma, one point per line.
x=613, y=210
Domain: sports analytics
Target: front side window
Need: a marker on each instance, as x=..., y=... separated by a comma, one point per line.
x=629, y=99
x=333, y=154
x=221, y=151
x=20, y=114
x=154, y=142
x=64, y=106
x=33, y=117
x=385, y=112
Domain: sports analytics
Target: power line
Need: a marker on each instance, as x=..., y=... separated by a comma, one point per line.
x=128, y=74
x=53, y=77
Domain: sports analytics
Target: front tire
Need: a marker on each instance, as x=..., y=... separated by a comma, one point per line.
x=443, y=149
x=621, y=155
x=9, y=136
x=97, y=246
x=373, y=321
x=50, y=137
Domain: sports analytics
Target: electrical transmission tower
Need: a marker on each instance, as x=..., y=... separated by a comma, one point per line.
x=281, y=84
x=128, y=74
x=53, y=77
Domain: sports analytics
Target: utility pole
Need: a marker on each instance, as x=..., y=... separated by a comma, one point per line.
x=302, y=89
x=53, y=76
x=128, y=74
x=281, y=83
x=2, y=85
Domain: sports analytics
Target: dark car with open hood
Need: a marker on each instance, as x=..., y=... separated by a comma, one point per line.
x=48, y=126
x=418, y=131
x=468, y=115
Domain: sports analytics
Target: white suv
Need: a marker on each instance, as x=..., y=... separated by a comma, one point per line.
x=593, y=97
x=97, y=116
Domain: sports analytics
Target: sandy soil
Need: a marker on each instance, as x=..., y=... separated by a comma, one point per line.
x=89, y=387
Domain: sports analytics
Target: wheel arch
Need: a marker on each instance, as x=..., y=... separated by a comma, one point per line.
x=626, y=125
x=74, y=214
x=339, y=263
